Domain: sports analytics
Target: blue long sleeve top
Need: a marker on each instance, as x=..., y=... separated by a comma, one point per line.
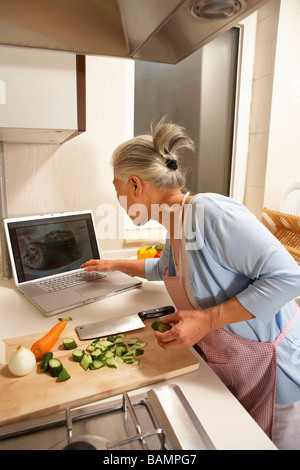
x=230, y=253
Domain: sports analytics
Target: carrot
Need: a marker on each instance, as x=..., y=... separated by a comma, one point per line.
x=45, y=344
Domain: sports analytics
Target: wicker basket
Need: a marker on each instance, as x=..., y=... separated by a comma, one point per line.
x=287, y=231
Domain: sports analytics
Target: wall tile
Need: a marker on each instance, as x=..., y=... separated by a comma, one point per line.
x=266, y=45
x=283, y=166
x=254, y=200
x=257, y=159
x=261, y=104
x=270, y=8
x=29, y=167
x=23, y=203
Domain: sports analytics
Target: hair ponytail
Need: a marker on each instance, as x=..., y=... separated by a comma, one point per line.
x=154, y=157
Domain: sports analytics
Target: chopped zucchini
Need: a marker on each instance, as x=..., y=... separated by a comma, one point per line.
x=139, y=352
x=69, y=343
x=96, y=353
x=102, y=348
x=97, y=364
x=104, y=343
x=55, y=367
x=119, y=338
x=132, y=341
x=129, y=353
x=121, y=349
x=86, y=361
x=132, y=361
x=139, y=345
x=111, y=351
x=114, y=361
x=63, y=375
x=77, y=355
x=65, y=319
x=45, y=361
x=109, y=354
x=160, y=326
x=128, y=359
x=111, y=339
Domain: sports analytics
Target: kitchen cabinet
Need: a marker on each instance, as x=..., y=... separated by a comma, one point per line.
x=42, y=95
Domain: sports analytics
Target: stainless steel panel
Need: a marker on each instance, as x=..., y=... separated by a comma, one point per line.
x=177, y=418
x=149, y=30
x=81, y=26
x=182, y=34
x=135, y=12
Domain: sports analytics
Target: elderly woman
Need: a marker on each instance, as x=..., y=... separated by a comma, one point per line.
x=232, y=282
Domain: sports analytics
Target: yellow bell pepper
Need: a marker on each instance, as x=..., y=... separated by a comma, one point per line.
x=146, y=252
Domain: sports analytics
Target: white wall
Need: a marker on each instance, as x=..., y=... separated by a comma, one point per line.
x=262, y=85
x=283, y=163
x=274, y=132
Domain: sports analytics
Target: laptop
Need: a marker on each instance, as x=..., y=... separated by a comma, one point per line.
x=46, y=253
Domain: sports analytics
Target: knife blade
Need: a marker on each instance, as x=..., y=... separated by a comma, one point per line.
x=120, y=324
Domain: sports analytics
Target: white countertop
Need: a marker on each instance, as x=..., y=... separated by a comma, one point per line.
x=224, y=419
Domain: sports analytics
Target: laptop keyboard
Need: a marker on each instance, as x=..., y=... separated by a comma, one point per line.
x=69, y=280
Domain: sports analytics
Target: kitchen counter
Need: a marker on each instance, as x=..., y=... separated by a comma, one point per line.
x=225, y=420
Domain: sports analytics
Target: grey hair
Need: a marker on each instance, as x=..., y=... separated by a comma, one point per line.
x=153, y=157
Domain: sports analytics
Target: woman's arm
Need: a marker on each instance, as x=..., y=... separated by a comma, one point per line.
x=192, y=325
x=151, y=268
x=238, y=242
x=127, y=266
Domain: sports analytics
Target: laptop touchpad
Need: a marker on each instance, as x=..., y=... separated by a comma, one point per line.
x=91, y=289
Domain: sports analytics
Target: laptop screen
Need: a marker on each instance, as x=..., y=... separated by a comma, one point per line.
x=50, y=245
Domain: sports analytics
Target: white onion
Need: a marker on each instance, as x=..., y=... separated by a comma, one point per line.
x=21, y=362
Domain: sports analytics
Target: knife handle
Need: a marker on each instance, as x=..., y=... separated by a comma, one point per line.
x=156, y=312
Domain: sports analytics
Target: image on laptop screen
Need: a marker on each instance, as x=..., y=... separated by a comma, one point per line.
x=49, y=246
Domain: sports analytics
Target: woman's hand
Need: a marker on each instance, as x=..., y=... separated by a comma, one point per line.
x=190, y=326
x=98, y=265
x=134, y=267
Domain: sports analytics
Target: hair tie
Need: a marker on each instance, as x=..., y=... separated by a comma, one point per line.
x=172, y=164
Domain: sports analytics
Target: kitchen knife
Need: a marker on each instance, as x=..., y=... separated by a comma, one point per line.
x=120, y=324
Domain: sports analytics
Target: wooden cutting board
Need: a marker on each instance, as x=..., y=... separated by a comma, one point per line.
x=39, y=394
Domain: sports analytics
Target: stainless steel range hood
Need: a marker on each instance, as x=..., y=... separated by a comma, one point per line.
x=152, y=30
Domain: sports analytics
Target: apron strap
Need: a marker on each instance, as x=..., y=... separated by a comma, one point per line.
x=286, y=329
x=179, y=233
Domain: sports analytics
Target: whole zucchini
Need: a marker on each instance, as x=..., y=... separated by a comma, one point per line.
x=160, y=326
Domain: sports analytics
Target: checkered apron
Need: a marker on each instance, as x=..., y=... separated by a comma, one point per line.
x=246, y=367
